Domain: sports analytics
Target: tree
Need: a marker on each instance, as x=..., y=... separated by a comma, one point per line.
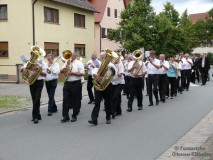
x=135, y=28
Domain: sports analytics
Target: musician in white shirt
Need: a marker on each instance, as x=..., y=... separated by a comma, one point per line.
x=127, y=76
x=36, y=89
x=186, y=72
x=51, y=83
x=152, y=68
x=93, y=63
x=99, y=95
x=136, y=84
x=72, y=89
x=118, y=85
x=162, y=77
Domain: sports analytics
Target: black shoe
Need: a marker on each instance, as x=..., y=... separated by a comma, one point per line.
x=163, y=100
x=129, y=110
x=187, y=89
x=157, y=102
x=118, y=114
x=113, y=116
x=181, y=92
x=35, y=121
x=171, y=97
x=90, y=102
x=49, y=114
x=74, y=119
x=55, y=111
x=95, y=122
x=151, y=104
x=140, y=107
x=65, y=120
x=108, y=121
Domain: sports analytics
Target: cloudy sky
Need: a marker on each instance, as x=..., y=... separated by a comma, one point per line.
x=193, y=6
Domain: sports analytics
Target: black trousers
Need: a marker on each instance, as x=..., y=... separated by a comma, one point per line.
x=147, y=86
x=127, y=86
x=35, y=91
x=185, y=79
x=153, y=87
x=89, y=88
x=193, y=77
x=106, y=95
x=71, y=98
x=51, y=87
x=162, y=85
x=135, y=89
x=204, y=75
x=172, y=83
x=116, y=99
x=178, y=86
x=197, y=75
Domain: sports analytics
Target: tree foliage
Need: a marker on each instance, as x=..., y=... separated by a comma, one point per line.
x=166, y=32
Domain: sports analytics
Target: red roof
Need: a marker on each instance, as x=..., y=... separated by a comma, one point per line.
x=198, y=16
x=100, y=6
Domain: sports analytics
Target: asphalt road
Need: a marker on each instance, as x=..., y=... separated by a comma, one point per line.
x=140, y=135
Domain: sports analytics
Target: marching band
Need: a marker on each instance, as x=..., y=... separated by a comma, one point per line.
x=110, y=75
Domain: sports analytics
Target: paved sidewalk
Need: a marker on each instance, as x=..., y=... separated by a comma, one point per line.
x=23, y=91
x=197, y=144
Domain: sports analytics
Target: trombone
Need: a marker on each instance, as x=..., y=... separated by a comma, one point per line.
x=65, y=56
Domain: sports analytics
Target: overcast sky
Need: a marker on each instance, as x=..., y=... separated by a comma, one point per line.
x=193, y=6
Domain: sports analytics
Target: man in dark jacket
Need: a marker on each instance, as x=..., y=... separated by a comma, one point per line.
x=204, y=67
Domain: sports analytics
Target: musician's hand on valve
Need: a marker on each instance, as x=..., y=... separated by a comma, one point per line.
x=97, y=77
x=119, y=74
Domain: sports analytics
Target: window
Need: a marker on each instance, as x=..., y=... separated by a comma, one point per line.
x=108, y=11
x=79, y=20
x=103, y=32
x=51, y=15
x=80, y=49
x=51, y=47
x=3, y=49
x=116, y=13
x=3, y=12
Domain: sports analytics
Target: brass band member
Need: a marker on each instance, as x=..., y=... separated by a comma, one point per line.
x=162, y=77
x=93, y=63
x=51, y=83
x=72, y=89
x=172, y=75
x=118, y=85
x=36, y=89
x=136, y=83
x=127, y=76
x=152, y=68
x=105, y=94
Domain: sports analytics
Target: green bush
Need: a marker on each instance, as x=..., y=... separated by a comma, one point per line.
x=210, y=57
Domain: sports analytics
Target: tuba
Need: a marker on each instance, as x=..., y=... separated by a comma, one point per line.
x=106, y=73
x=31, y=75
x=137, y=54
x=66, y=57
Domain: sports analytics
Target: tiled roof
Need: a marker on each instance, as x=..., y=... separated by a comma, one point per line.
x=84, y=4
x=198, y=16
x=100, y=6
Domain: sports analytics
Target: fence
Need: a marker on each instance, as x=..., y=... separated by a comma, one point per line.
x=10, y=73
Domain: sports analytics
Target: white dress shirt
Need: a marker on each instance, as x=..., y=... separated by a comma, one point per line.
x=143, y=68
x=126, y=63
x=162, y=70
x=96, y=63
x=179, y=68
x=77, y=66
x=55, y=70
x=120, y=70
x=152, y=69
x=185, y=64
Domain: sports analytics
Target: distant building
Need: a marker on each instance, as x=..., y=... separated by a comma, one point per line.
x=54, y=25
x=198, y=16
x=107, y=17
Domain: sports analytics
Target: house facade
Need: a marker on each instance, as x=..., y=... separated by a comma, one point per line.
x=54, y=25
x=107, y=17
